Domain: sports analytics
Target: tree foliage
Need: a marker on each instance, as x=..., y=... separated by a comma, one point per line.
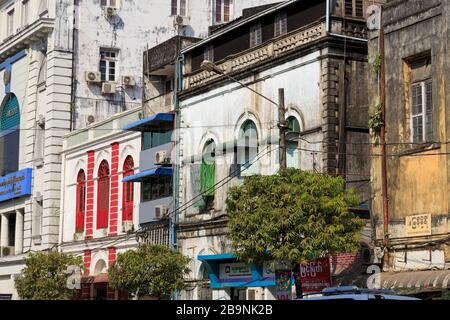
x=151, y=270
x=45, y=276
x=292, y=216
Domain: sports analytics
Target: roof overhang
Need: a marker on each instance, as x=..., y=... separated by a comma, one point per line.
x=156, y=122
x=141, y=176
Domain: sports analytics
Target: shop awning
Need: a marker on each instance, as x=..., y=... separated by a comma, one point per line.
x=217, y=257
x=416, y=281
x=139, y=177
x=155, y=122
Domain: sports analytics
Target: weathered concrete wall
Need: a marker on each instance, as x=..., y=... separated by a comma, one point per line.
x=418, y=175
x=138, y=25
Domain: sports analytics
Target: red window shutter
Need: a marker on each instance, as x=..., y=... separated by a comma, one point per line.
x=103, y=195
x=80, y=201
x=127, y=191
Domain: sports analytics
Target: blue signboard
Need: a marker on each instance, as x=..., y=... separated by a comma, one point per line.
x=15, y=185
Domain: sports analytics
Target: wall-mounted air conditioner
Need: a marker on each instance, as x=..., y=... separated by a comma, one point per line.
x=6, y=251
x=161, y=158
x=128, y=81
x=181, y=21
x=110, y=11
x=108, y=88
x=161, y=212
x=127, y=226
x=92, y=77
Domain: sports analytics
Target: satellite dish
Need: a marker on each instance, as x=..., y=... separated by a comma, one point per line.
x=374, y=17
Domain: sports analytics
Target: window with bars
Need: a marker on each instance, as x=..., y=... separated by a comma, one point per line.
x=25, y=12
x=280, y=24
x=222, y=11
x=108, y=65
x=10, y=23
x=178, y=8
x=354, y=8
x=108, y=3
x=208, y=53
x=255, y=35
x=421, y=101
x=422, y=112
x=157, y=187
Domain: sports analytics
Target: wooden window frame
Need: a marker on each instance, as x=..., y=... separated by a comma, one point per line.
x=80, y=201
x=128, y=190
x=103, y=195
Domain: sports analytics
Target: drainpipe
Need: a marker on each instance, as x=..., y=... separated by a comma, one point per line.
x=176, y=175
x=327, y=15
x=74, y=42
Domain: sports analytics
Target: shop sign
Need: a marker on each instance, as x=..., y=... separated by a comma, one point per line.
x=315, y=275
x=283, y=281
x=418, y=225
x=235, y=270
x=15, y=185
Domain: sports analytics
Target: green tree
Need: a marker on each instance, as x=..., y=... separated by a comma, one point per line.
x=149, y=271
x=292, y=216
x=45, y=276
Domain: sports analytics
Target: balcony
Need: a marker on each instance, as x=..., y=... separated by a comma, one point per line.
x=37, y=31
x=277, y=48
x=160, y=57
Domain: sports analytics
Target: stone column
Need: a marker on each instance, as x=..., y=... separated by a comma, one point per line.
x=18, y=242
x=4, y=235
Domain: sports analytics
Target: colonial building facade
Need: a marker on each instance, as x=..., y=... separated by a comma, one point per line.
x=98, y=210
x=67, y=65
x=417, y=135
x=227, y=132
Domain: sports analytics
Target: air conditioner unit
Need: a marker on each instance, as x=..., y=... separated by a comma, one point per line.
x=161, y=212
x=127, y=226
x=6, y=251
x=180, y=21
x=162, y=158
x=128, y=81
x=108, y=88
x=93, y=77
x=90, y=119
x=41, y=120
x=110, y=11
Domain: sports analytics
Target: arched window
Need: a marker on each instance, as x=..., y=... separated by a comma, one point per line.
x=248, y=149
x=128, y=192
x=208, y=174
x=103, y=195
x=9, y=135
x=81, y=201
x=292, y=151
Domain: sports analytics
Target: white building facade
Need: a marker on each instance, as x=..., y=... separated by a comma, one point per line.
x=98, y=210
x=35, y=61
x=228, y=132
x=66, y=65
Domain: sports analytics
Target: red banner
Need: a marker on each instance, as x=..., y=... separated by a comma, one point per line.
x=315, y=275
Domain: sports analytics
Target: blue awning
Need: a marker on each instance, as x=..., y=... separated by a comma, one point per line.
x=159, y=121
x=139, y=177
x=214, y=257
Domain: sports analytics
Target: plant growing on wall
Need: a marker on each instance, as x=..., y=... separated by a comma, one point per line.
x=376, y=66
x=45, y=276
x=375, y=119
x=150, y=271
x=292, y=216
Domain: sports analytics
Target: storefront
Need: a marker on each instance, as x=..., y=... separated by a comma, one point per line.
x=234, y=280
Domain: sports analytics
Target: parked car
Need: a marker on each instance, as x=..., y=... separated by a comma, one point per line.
x=355, y=293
